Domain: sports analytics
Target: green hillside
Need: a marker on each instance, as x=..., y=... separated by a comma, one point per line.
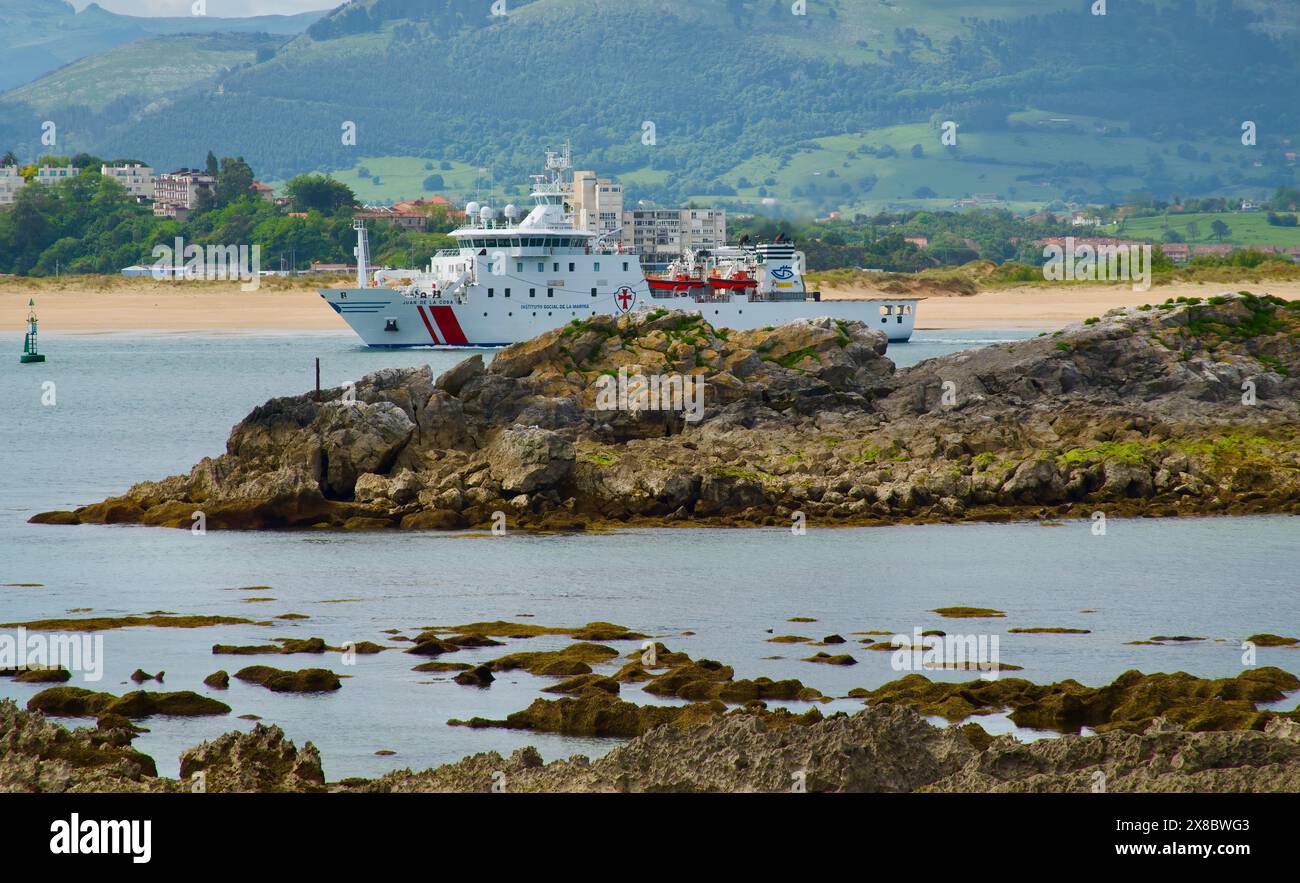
x=799, y=114
x=97, y=82
x=40, y=36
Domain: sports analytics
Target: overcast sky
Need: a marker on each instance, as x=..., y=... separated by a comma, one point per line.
x=220, y=8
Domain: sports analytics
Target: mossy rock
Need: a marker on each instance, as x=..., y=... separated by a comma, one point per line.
x=478, y=676
x=57, y=675
x=442, y=666
x=80, y=702
x=575, y=659
x=303, y=645
x=579, y=683
x=831, y=659
x=789, y=639
x=1050, y=630
x=218, y=680
x=1129, y=703
x=1268, y=640
x=598, y=713
x=969, y=612
x=307, y=680
x=244, y=649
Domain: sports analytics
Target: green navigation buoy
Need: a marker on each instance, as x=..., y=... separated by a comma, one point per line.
x=30, y=352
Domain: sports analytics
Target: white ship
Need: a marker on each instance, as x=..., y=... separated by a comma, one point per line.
x=512, y=279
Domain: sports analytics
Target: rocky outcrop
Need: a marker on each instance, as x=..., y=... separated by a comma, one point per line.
x=1164, y=758
x=39, y=756
x=262, y=760
x=698, y=748
x=1182, y=407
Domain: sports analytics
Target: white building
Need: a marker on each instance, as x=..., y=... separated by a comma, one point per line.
x=597, y=205
x=661, y=234
x=10, y=183
x=54, y=174
x=136, y=178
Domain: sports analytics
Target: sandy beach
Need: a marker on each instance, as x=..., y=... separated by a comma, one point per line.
x=1042, y=308
x=98, y=305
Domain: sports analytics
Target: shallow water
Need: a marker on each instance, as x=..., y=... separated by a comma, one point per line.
x=129, y=409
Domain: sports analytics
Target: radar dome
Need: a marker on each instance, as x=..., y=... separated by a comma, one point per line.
x=486, y=213
x=472, y=209
x=512, y=211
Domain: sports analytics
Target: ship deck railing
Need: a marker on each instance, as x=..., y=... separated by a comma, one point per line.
x=530, y=251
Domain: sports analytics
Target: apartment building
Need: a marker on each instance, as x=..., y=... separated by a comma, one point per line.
x=597, y=205
x=175, y=194
x=54, y=174
x=661, y=234
x=136, y=178
x=10, y=183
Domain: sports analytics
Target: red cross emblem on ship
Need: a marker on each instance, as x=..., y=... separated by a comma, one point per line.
x=625, y=298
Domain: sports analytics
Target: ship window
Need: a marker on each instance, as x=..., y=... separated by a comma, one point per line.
x=550, y=292
x=491, y=292
x=597, y=267
x=593, y=292
x=900, y=319
x=571, y=266
x=507, y=292
x=541, y=267
x=886, y=309
x=532, y=292
x=625, y=266
x=519, y=266
x=555, y=267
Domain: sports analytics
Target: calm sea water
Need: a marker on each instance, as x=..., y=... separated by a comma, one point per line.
x=134, y=408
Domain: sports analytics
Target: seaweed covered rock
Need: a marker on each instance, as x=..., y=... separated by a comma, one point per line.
x=307, y=680
x=1129, y=703
x=80, y=702
x=706, y=679
x=595, y=712
x=576, y=659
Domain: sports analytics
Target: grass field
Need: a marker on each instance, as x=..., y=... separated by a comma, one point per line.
x=1246, y=228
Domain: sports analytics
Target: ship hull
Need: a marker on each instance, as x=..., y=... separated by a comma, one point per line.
x=386, y=318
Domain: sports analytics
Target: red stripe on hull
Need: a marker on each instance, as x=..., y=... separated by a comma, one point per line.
x=429, y=327
x=449, y=326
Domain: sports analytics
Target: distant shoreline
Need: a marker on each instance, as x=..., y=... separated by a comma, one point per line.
x=100, y=305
